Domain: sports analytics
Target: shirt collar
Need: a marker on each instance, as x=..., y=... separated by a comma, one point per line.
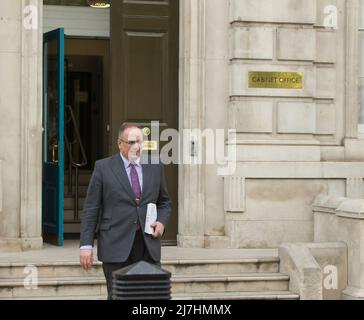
x=127, y=162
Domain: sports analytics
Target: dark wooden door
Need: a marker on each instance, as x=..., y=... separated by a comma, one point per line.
x=144, y=69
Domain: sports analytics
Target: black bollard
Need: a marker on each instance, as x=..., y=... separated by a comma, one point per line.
x=141, y=281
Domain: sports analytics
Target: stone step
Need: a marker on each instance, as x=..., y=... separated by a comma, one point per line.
x=83, y=178
x=72, y=227
x=68, y=215
x=50, y=270
x=182, y=286
x=82, y=191
x=177, y=267
x=268, y=295
x=54, y=287
x=69, y=202
x=232, y=266
x=230, y=283
x=75, y=297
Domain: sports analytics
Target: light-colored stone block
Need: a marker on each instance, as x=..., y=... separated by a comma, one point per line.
x=271, y=233
x=240, y=80
x=277, y=153
x=354, y=150
x=217, y=29
x=281, y=199
x=355, y=188
x=10, y=10
x=325, y=118
x=326, y=44
x=234, y=194
x=352, y=293
x=9, y=42
x=327, y=10
x=252, y=43
x=332, y=154
x=9, y=102
x=1, y=185
x=296, y=117
x=316, y=270
x=296, y=170
x=326, y=83
x=347, y=228
x=296, y=44
x=284, y=11
x=252, y=116
x=303, y=270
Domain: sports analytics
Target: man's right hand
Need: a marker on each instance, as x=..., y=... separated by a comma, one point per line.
x=86, y=258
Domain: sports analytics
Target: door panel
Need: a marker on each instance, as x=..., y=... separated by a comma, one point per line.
x=144, y=52
x=53, y=141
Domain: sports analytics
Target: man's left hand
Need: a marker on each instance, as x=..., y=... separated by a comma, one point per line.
x=158, y=229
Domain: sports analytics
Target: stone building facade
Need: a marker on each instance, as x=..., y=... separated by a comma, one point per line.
x=293, y=144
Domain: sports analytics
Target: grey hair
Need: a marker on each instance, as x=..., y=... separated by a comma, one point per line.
x=124, y=126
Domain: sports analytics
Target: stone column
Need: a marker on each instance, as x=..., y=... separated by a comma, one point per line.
x=21, y=123
x=31, y=125
x=192, y=101
x=354, y=147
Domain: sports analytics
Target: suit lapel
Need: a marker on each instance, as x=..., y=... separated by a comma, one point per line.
x=117, y=166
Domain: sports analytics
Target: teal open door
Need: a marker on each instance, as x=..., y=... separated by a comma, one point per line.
x=53, y=137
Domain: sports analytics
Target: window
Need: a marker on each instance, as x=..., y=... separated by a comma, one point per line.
x=361, y=67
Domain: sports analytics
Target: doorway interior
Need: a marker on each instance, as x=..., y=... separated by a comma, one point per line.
x=86, y=121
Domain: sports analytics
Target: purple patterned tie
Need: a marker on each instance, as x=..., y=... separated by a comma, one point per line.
x=136, y=186
x=135, y=182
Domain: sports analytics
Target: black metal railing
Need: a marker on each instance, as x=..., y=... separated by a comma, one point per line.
x=72, y=146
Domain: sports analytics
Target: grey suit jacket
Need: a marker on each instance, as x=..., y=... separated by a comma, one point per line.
x=110, y=202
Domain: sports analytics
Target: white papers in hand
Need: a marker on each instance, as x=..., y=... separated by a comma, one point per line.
x=150, y=218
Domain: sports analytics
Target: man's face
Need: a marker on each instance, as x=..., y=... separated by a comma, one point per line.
x=130, y=144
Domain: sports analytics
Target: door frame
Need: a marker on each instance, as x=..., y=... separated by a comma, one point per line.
x=191, y=182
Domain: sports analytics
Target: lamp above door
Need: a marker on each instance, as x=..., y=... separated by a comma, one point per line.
x=102, y=4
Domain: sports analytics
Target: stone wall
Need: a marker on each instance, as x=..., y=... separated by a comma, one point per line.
x=20, y=123
x=287, y=36
x=342, y=219
x=285, y=137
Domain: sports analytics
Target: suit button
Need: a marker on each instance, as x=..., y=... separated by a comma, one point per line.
x=135, y=222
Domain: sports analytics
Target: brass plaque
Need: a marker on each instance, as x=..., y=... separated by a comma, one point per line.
x=275, y=80
x=150, y=145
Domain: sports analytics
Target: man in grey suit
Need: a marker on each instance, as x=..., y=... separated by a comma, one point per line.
x=119, y=192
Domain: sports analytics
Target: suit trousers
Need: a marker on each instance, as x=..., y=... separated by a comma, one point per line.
x=138, y=253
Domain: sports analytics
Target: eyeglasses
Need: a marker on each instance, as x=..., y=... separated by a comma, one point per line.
x=131, y=142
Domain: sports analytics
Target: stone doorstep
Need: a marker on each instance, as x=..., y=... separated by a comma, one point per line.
x=164, y=262
x=270, y=295
x=201, y=284
x=203, y=278
x=177, y=267
x=230, y=277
